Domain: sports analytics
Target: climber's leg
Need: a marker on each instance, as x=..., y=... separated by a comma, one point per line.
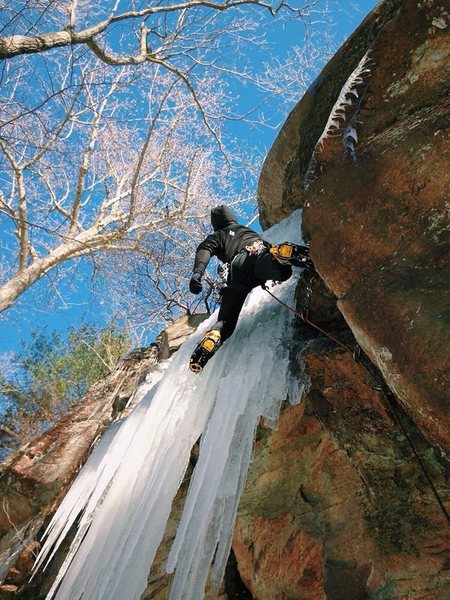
x=233, y=298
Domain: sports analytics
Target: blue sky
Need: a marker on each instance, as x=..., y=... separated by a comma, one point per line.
x=17, y=322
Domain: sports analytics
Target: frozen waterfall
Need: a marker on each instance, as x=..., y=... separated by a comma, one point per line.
x=125, y=490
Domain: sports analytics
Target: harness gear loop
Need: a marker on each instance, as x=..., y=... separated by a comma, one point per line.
x=256, y=248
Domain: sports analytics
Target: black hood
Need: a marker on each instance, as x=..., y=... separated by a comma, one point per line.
x=222, y=217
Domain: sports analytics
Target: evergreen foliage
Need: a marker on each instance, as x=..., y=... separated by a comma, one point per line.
x=50, y=375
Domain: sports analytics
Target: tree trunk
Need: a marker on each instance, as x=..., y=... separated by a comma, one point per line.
x=86, y=242
x=23, y=279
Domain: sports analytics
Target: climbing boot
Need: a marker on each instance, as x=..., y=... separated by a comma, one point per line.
x=292, y=254
x=205, y=350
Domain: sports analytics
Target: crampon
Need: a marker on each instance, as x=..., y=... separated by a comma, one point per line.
x=206, y=348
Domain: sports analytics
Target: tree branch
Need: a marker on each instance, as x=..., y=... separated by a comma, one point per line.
x=85, y=162
x=55, y=134
x=109, y=367
x=22, y=221
x=15, y=45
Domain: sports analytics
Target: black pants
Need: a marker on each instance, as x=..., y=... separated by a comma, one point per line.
x=246, y=272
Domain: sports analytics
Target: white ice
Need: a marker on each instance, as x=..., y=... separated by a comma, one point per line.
x=125, y=491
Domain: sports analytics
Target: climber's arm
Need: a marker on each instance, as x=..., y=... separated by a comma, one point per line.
x=202, y=257
x=204, y=252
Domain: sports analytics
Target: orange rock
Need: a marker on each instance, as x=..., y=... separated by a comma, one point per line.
x=379, y=229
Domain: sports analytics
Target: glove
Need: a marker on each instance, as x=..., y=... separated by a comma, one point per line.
x=195, y=284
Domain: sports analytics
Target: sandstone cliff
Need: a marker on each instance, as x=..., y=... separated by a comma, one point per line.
x=350, y=497
x=379, y=227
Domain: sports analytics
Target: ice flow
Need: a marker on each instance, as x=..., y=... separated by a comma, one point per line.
x=121, y=499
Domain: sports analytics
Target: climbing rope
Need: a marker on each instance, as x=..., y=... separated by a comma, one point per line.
x=306, y=320
x=392, y=403
x=380, y=386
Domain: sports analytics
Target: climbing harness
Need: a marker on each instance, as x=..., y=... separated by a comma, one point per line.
x=360, y=357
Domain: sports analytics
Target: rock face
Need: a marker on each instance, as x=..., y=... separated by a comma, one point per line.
x=336, y=505
x=174, y=335
x=379, y=227
x=349, y=499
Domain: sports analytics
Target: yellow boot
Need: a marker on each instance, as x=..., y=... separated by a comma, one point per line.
x=207, y=346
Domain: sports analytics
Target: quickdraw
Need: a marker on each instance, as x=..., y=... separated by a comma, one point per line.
x=218, y=283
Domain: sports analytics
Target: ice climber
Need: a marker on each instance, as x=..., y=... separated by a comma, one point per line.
x=251, y=262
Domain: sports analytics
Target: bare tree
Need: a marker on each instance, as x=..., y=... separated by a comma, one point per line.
x=115, y=184
x=159, y=25
x=111, y=129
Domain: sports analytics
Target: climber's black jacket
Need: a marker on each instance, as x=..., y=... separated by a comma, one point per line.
x=247, y=271
x=228, y=239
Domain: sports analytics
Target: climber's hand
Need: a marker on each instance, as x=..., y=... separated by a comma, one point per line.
x=195, y=285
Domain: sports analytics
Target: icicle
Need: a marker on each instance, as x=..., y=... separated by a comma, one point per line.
x=350, y=139
x=125, y=491
x=91, y=485
x=347, y=96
